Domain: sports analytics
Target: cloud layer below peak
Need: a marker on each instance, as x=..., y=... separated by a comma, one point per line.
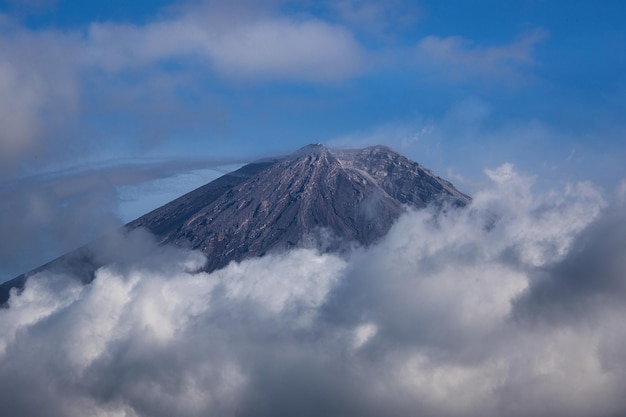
x=513, y=306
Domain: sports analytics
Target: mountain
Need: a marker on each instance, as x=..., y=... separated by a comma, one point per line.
x=329, y=198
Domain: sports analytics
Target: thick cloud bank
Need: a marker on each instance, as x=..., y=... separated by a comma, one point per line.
x=512, y=307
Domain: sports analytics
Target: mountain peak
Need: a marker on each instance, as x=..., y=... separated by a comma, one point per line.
x=331, y=197
x=355, y=195
x=313, y=148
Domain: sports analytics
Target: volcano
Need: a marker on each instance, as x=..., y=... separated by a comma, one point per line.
x=332, y=199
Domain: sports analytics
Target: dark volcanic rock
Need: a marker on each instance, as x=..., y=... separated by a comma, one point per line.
x=328, y=197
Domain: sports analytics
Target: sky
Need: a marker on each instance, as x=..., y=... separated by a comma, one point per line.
x=514, y=306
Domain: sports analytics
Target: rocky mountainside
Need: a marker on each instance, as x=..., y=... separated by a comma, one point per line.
x=315, y=196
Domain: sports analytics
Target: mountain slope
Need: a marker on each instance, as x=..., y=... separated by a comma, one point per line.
x=316, y=195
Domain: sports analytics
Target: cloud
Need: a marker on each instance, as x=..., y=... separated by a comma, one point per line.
x=376, y=18
x=49, y=214
x=446, y=316
x=70, y=89
x=267, y=48
x=591, y=275
x=311, y=50
x=41, y=96
x=128, y=86
x=456, y=58
x=474, y=133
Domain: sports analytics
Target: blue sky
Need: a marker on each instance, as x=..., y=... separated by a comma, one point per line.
x=94, y=93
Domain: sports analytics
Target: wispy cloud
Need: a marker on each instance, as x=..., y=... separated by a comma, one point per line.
x=126, y=82
x=40, y=94
x=49, y=214
x=473, y=134
x=455, y=58
x=377, y=18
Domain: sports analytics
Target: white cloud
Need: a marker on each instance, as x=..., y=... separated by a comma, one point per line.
x=458, y=59
x=264, y=48
x=363, y=333
x=310, y=50
x=446, y=316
